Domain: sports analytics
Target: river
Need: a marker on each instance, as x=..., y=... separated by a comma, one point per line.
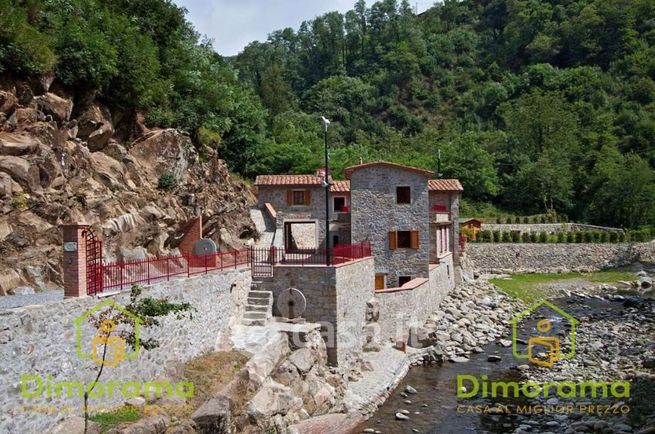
x=436, y=409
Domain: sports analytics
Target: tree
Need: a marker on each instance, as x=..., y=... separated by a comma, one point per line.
x=147, y=311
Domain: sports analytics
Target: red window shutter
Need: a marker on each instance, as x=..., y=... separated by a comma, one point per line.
x=308, y=197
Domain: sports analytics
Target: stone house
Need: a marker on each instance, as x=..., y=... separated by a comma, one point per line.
x=407, y=216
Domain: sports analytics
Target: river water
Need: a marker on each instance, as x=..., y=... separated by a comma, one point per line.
x=436, y=409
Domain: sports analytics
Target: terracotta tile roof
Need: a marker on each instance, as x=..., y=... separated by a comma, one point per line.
x=445, y=185
x=340, y=187
x=424, y=172
x=288, y=180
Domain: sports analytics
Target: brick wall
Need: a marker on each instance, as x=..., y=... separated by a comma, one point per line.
x=192, y=234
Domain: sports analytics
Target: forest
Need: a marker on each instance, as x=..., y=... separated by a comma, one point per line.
x=537, y=106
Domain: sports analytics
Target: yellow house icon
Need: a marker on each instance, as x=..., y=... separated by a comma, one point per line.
x=551, y=344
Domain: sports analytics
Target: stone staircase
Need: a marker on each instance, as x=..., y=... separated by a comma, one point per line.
x=264, y=226
x=259, y=307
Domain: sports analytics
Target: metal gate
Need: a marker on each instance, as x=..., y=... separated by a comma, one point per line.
x=94, y=282
x=261, y=261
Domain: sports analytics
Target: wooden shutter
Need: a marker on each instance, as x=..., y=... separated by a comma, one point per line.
x=308, y=197
x=414, y=240
x=379, y=281
x=393, y=240
x=289, y=197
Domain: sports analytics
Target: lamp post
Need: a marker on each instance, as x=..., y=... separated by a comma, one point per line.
x=326, y=184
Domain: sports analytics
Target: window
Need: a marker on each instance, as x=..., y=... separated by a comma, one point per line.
x=339, y=204
x=298, y=197
x=403, y=240
x=403, y=195
x=403, y=280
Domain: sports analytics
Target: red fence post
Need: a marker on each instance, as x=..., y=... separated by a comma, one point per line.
x=168, y=268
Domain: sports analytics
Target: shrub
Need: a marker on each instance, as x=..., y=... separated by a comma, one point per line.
x=496, y=237
x=570, y=237
x=507, y=237
x=551, y=218
x=588, y=237
x=604, y=237
x=614, y=237
x=166, y=180
x=517, y=220
x=525, y=237
x=543, y=237
x=498, y=220
x=487, y=236
x=516, y=236
x=543, y=219
x=534, y=237
x=561, y=237
x=526, y=220
x=595, y=237
x=579, y=237
x=19, y=201
x=508, y=220
x=622, y=237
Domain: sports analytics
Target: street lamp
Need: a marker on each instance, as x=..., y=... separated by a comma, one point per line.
x=326, y=184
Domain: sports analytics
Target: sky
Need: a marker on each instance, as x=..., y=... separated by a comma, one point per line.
x=233, y=24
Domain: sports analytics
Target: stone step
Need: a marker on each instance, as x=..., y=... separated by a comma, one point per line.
x=254, y=322
x=255, y=315
x=259, y=294
x=256, y=308
x=259, y=301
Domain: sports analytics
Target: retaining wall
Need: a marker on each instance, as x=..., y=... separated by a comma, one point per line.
x=336, y=298
x=401, y=309
x=41, y=341
x=553, y=258
x=546, y=227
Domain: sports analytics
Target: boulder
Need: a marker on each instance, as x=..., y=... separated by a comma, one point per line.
x=164, y=151
x=273, y=398
x=15, y=144
x=335, y=423
x=155, y=424
x=372, y=310
x=95, y=126
x=214, y=416
x=59, y=108
x=26, y=116
x=8, y=187
x=21, y=171
x=303, y=359
x=8, y=102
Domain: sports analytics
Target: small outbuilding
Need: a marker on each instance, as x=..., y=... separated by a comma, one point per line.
x=471, y=226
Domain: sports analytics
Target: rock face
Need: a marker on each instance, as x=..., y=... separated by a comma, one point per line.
x=55, y=168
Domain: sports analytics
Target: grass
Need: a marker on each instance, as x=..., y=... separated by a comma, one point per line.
x=530, y=287
x=115, y=417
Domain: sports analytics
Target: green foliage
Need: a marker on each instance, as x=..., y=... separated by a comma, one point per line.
x=506, y=237
x=497, y=236
x=111, y=419
x=543, y=237
x=516, y=236
x=537, y=107
x=561, y=237
x=525, y=237
x=166, y=180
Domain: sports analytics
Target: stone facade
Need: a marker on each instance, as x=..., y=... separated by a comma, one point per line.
x=41, y=340
x=336, y=299
x=401, y=309
x=444, y=220
x=375, y=214
x=552, y=258
x=314, y=212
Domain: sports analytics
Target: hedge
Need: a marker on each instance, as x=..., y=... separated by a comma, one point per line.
x=598, y=237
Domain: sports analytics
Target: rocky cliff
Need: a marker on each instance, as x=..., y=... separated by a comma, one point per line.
x=67, y=161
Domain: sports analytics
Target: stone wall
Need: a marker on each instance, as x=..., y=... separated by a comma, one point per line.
x=546, y=227
x=314, y=212
x=375, y=213
x=336, y=299
x=550, y=258
x=41, y=341
x=401, y=309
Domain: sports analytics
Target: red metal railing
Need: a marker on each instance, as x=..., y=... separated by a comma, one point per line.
x=263, y=257
x=122, y=275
